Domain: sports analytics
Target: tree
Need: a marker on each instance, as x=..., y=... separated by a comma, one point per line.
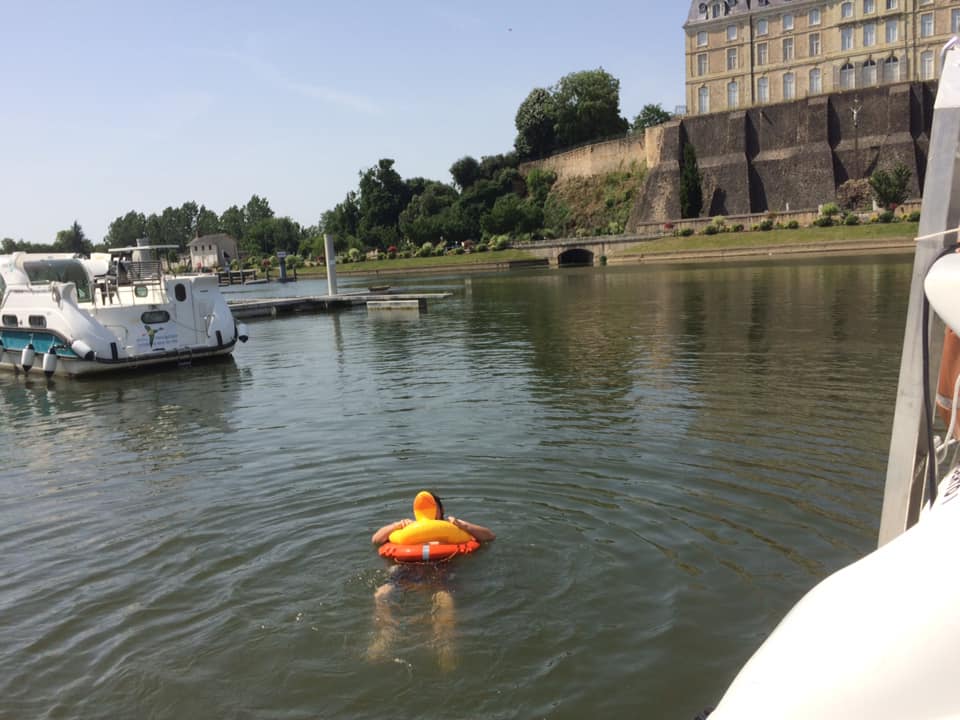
x=124, y=231
x=691, y=194
x=256, y=209
x=588, y=107
x=539, y=183
x=383, y=196
x=536, y=123
x=73, y=241
x=232, y=222
x=342, y=222
x=207, y=222
x=465, y=172
x=650, y=116
x=891, y=188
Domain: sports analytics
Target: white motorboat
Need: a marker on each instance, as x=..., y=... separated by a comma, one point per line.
x=120, y=310
x=880, y=639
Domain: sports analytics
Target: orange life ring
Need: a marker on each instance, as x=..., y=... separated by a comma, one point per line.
x=949, y=371
x=426, y=552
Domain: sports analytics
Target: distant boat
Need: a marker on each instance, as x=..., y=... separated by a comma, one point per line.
x=379, y=288
x=113, y=311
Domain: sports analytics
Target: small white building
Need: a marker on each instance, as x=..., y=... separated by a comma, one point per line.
x=212, y=251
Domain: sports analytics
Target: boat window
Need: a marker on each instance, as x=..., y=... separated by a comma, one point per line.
x=153, y=317
x=63, y=270
x=10, y=320
x=140, y=291
x=3, y=286
x=180, y=292
x=38, y=321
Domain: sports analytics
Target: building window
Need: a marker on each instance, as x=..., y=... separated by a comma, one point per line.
x=716, y=9
x=733, y=95
x=869, y=73
x=814, y=17
x=847, y=75
x=703, y=101
x=762, y=54
x=869, y=34
x=763, y=90
x=846, y=10
x=814, y=44
x=846, y=38
x=731, y=32
x=892, y=30
x=787, y=49
x=788, y=21
x=816, y=86
x=789, y=86
x=926, y=24
x=732, y=59
x=703, y=11
x=891, y=69
x=868, y=7
x=763, y=27
x=926, y=65
x=955, y=20
x=702, y=38
x=702, y=66
x=891, y=4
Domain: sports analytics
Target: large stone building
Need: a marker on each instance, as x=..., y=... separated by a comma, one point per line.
x=743, y=53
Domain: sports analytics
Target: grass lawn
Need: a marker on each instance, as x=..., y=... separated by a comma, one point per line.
x=756, y=238
x=837, y=233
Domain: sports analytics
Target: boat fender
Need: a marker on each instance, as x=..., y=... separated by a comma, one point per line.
x=219, y=339
x=50, y=362
x=241, y=331
x=27, y=356
x=947, y=380
x=82, y=349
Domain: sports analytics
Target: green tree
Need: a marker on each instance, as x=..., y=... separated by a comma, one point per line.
x=588, y=107
x=207, y=222
x=891, y=188
x=342, y=222
x=269, y=235
x=691, y=192
x=505, y=215
x=650, y=115
x=465, y=172
x=73, y=241
x=124, y=231
x=557, y=215
x=424, y=217
x=383, y=196
x=233, y=223
x=536, y=123
x=539, y=183
x=256, y=209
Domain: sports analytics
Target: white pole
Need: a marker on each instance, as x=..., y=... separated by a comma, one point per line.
x=331, y=264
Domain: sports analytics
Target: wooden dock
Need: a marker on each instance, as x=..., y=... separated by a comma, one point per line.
x=276, y=307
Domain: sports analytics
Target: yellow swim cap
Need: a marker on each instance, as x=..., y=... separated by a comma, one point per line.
x=425, y=506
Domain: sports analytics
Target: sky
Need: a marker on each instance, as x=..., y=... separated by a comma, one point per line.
x=107, y=107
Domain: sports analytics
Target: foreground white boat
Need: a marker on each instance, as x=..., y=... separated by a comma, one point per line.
x=67, y=315
x=880, y=639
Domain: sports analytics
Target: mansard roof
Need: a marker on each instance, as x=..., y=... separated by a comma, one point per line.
x=701, y=11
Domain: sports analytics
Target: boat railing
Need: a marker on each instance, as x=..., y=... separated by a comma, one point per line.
x=904, y=491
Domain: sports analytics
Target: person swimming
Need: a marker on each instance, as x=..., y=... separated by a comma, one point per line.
x=433, y=577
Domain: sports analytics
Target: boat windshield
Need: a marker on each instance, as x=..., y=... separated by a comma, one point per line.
x=59, y=270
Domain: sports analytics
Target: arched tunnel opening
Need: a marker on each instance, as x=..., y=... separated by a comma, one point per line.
x=575, y=256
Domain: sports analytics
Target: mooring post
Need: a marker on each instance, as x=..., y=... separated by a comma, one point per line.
x=331, y=264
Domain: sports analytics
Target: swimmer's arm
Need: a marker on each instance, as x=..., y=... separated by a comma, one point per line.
x=478, y=531
x=383, y=534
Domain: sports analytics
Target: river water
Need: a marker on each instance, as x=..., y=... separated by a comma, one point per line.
x=670, y=457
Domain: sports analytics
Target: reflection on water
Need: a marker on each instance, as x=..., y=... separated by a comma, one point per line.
x=670, y=456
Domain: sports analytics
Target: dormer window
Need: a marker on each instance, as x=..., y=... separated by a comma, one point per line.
x=703, y=11
x=716, y=10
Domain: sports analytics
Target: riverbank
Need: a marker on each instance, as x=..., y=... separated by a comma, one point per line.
x=839, y=240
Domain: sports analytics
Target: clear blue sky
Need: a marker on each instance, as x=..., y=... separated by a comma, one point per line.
x=107, y=107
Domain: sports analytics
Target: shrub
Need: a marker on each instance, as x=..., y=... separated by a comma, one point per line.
x=914, y=216
x=823, y=221
x=711, y=229
x=851, y=219
x=482, y=247
x=890, y=188
x=886, y=216
x=830, y=209
x=687, y=232
x=793, y=225
x=738, y=227
x=426, y=250
x=766, y=224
